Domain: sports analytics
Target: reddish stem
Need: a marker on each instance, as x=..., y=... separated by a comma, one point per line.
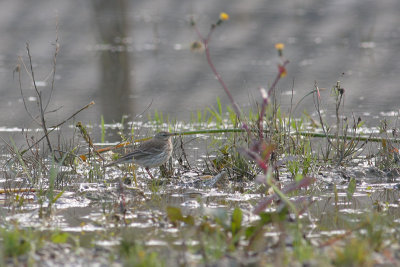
x=205, y=42
x=266, y=98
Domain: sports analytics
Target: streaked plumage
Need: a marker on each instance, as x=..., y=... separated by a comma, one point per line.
x=151, y=153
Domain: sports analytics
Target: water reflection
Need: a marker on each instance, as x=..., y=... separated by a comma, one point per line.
x=101, y=40
x=110, y=19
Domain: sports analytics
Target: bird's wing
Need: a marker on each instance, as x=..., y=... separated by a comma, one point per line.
x=137, y=154
x=124, y=159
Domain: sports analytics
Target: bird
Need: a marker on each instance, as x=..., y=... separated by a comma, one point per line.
x=151, y=153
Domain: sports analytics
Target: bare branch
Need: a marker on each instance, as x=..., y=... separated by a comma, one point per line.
x=57, y=46
x=18, y=69
x=40, y=103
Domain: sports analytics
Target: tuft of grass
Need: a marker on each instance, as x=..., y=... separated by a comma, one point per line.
x=18, y=246
x=135, y=254
x=15, y=243
x=355, y=253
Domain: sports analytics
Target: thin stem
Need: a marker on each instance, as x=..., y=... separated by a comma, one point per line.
x=266, y=97
x=206, y=42
x=218, y=76
x=58, y=125
x=40, y=103
x=57, y=45
x=317, y=107
x=22, y=93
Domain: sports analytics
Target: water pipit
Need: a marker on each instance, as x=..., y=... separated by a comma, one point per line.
x=151, y=153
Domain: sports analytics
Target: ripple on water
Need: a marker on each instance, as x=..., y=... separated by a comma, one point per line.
x=191, y=204
x=155, y=242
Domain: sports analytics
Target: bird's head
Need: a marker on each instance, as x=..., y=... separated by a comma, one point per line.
x=164, y=135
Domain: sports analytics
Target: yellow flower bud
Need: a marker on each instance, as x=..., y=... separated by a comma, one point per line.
x=279, y=46
x=223, y=16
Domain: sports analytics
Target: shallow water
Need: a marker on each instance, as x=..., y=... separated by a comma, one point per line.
x=92, y=209
x=127, y=55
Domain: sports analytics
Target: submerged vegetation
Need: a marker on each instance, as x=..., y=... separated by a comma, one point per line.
x=253, y=187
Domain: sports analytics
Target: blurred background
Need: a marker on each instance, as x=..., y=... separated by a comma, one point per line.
x=128, y=55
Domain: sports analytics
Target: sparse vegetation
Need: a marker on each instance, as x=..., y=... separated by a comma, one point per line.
x=293, y=193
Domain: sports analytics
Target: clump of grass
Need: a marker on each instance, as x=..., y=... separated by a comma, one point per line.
x=227, y=235
x=134, y=254
x=355, y=253
x=18, y=246
x=344, y=148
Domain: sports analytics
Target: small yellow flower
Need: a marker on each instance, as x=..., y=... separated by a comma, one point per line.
x=279, y=46
x=223, y=16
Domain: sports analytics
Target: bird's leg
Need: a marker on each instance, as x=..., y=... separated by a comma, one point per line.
x=148, y=171
x=122, y=203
